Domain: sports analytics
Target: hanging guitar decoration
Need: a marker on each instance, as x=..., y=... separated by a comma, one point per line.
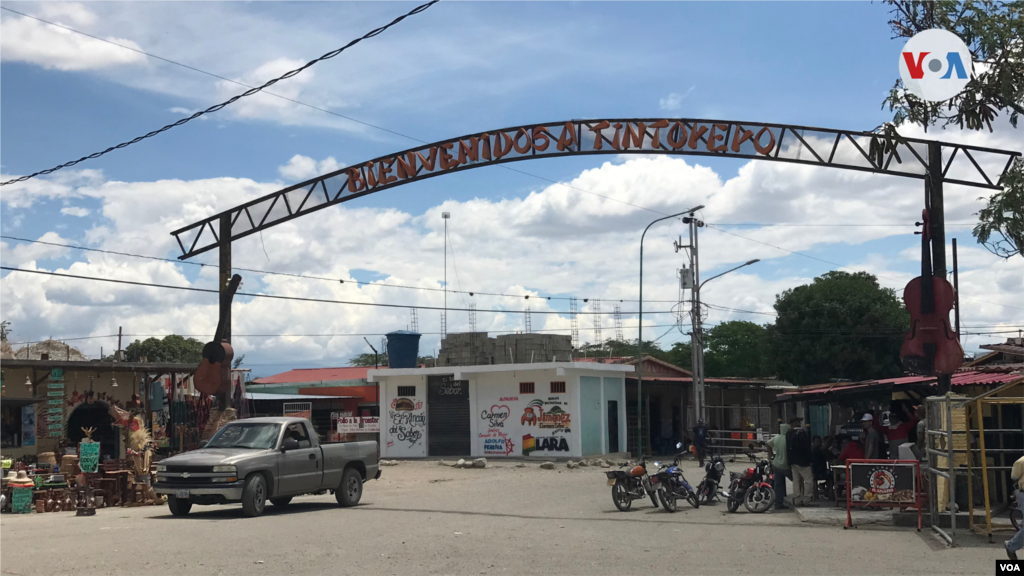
x=213, y=376
x=931, y=347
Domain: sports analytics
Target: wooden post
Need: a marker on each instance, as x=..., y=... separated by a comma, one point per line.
x=984, y=469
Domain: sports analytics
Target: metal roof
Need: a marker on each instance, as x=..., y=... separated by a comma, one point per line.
x=317, y=375
x=101, y=366
x=974, y=378
x=293, y=397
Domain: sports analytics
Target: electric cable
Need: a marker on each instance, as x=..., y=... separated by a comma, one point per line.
x=298, y=298
x=217, y=107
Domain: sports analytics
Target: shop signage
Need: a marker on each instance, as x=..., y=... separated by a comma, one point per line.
x=55, y=401
x=55, y=385
x=357, y=425
x=21, y=500
x=89, y=456
x=882, y=483
x=57, y=393
x=55, y=410
x=56, y=373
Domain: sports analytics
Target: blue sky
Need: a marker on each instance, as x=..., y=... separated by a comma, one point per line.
x=457, y=68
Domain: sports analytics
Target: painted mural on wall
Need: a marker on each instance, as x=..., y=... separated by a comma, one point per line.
x=524, y=425
x=407, y=424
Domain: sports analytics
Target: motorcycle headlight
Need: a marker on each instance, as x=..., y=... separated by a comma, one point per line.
x=224, y=469
x=657, y=464
x=719, y=466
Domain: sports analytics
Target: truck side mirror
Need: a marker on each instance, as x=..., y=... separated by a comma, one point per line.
x=290, y=444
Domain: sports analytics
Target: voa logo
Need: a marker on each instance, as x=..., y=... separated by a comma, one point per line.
x=1008, y=567
x=935, y=65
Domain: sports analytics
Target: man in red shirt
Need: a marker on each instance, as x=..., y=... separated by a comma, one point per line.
x=898, y=431
x=851, y=449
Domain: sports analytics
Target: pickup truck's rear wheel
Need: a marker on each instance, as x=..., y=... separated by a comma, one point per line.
x=283, y=501
x=254, y=495
x=178, y=507
x=351, y=488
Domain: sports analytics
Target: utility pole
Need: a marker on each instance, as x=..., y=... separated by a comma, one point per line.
x=574, y=325
x=691, y=279
x=444, y=314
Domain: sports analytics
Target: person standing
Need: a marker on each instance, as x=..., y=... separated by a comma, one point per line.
x=798, y=451
x=780, y=465
x=872, y=440
x=700, y=440
x=1017, y=542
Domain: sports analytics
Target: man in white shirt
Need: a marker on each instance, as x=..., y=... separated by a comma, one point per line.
x=1017, y=542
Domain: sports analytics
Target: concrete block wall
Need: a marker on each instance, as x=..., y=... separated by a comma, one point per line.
x=476, y=348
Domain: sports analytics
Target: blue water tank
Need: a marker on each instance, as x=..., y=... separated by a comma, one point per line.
x=403, y=349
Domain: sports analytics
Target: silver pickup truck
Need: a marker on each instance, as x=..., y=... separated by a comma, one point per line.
x=259, y=459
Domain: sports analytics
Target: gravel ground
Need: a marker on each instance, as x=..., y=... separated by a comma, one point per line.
x=424, y=518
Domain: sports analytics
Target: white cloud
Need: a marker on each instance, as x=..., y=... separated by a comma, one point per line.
x=75, y=211
x=26, y=40
x=303, y=167
x=186, y=112
x=554, y=240
x=674, y=101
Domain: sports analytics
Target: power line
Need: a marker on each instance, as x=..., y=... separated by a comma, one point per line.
x=294, y=298
x=211, y=74
x=767, y=224
x=217, y=107
x=309, y=277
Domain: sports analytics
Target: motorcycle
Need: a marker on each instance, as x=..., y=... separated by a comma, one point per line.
x=671, y=485
x=752, y=487
x=629, y=485
x=707, y=490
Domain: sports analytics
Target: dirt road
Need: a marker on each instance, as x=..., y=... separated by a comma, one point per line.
x=425, y=518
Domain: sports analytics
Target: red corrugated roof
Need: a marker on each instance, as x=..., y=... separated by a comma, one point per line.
x=975, y=378
x=660, y=378
x=312, y=375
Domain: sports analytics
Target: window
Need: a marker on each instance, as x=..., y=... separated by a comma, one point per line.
x=298, y=433
x=526, y=387
x=558, y=387
x=406, y=390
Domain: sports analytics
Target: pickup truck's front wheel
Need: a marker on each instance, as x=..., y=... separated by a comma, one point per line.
x=179, y=507
x=254, y=495
x=351, y=488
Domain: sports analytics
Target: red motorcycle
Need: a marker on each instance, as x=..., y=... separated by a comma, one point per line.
x=752, y=487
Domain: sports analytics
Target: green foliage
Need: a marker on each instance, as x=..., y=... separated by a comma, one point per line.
x=5, y=330
x=737, y=349
x=623, y=348
x=171, y=348
x=1001, y=222
x=992, y=31
x=840, y=326
x=681, y=355
x=382, y=360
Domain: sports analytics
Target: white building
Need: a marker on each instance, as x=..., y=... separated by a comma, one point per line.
x=543, y=410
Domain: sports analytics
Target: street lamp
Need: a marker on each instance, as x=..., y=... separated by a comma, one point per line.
x=698, y=342
x=640, y=334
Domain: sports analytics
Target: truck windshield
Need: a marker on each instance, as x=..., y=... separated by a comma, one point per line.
x=254, y=436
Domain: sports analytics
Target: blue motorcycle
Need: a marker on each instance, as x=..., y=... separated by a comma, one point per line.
x=671, y=485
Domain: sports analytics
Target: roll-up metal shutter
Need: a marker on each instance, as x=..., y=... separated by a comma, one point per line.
x=447, y=416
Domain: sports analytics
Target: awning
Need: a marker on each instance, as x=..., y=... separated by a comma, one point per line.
x=826, y=392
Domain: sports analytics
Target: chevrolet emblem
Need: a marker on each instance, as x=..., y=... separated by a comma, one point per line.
x=186, y=475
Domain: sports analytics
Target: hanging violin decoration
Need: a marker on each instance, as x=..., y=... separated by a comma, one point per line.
x=931, y=347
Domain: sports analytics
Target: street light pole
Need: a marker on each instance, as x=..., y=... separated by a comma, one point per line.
x=697, y=340
x=640, y=336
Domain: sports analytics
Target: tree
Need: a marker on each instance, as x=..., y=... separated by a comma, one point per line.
x=992, y=32
x=367, y=359
x=238, y=362
x=841, y=325
x=172, y=348
x=622, y=348
x=681, y=355
x=737, y=349
x=5, y=330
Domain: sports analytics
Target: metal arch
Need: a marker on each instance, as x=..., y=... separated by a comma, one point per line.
x=851, y=150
